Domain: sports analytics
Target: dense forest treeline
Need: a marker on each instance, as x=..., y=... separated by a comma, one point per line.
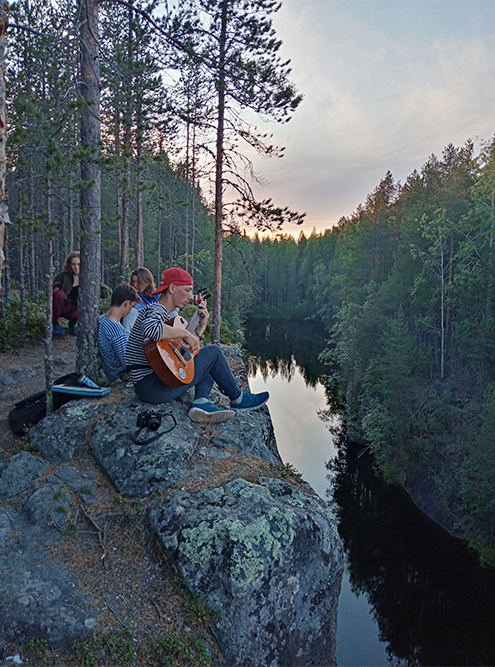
x=405, y=287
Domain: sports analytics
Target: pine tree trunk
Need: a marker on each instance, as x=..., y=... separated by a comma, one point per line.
x=90, y=278
x=124, y=226
x=49, y=295
x=4, y=214
x=139, y=207
x=217, y=280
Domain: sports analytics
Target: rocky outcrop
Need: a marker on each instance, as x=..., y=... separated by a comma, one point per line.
x=264, y=555
x=38, y=598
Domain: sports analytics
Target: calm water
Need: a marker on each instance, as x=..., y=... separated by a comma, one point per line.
x=411, y=594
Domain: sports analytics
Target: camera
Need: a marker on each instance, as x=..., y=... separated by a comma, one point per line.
x=149, y=419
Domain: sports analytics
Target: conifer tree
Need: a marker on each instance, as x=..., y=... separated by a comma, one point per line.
x=234, y=43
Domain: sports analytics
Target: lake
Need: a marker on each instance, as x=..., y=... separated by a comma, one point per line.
x=411, y=594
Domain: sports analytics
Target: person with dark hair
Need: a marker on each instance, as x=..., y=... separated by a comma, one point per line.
x=65, y=288
x=143, y=282
x=112, y=337
x=156, y=322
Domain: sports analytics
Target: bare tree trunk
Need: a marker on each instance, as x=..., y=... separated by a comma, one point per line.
x=139, y=203
x=186, y=240
x=122, y=256
x=217, y=280
x=4, y=209
x=5, y=303
x=31, y=250
x=22, y=274
x=124, y=226
x=34, y=267
x=159, y=250
x=193, y=207
x=90, y=278
x=70, y=216
x=49, y=299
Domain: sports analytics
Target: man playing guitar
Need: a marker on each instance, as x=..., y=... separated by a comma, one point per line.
x=210, y=364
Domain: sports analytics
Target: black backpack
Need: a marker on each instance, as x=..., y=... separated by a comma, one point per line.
x=32, y=409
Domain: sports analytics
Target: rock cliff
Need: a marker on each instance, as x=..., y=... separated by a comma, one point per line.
x=95, y=527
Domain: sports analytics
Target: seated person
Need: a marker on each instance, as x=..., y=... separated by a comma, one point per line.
x=112, y=337
x=65, y=288
x=65, y=291
x=210, y=364
x=143, y=282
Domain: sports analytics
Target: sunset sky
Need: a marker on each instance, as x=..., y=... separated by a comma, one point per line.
x=386, y=83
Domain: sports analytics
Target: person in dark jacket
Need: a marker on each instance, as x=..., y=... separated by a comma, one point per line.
x=65, y=289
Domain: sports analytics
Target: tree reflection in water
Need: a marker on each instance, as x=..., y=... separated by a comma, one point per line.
x=281, y=346
x=433, y=602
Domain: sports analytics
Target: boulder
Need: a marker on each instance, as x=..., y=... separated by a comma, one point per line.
x=265, y=556
x=140, y=470
x=268, y=559
x=61, y=435
x=38, y=598
x=251, y=433
x=18, y=473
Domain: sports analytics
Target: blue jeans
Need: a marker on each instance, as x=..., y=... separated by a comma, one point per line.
x=210, y=365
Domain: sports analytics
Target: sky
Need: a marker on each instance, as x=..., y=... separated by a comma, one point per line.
x=386, y=84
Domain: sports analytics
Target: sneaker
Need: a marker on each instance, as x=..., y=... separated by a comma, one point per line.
x=251, y=401
x=73, y=329
x=209, y=413
x=57, y=330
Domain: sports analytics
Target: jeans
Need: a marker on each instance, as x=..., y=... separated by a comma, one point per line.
x=210, y=365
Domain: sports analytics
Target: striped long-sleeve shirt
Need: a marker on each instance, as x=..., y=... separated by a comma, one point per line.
x=112, y=342
x=147, y=326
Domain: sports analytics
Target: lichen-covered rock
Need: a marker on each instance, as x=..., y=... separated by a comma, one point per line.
x=268, y=559
x=38, y=598
x=139, y=470
x=18, y=473
x=252, y=433
x=83, y=487
x=59, y=436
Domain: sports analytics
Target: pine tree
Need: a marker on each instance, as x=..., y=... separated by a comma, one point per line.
x=233, y=42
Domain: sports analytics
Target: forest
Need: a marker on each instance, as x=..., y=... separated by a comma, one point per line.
x=127, y=139
x=405, y=285
x=405, y=289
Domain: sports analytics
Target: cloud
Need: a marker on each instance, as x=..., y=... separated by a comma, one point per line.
x=385, y=86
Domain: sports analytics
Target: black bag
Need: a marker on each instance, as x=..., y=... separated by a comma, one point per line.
x=32, y=409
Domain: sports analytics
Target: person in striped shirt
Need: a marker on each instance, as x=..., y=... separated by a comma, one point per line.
x=112, y=337
x=210, y=364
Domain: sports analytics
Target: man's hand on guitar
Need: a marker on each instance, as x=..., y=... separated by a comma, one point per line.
x=191, y=341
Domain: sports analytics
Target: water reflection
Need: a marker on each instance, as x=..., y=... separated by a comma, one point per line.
x=282, y=346
x=433, y=603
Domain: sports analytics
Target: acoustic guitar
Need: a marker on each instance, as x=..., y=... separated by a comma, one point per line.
x=172, y=360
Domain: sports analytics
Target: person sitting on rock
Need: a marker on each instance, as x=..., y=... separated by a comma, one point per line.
x=112, y=337
x=65, y=291
x=65, y=288
x=143, y=282
x=210, y=364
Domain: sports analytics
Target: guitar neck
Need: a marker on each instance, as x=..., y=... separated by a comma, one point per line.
x=193, y=322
